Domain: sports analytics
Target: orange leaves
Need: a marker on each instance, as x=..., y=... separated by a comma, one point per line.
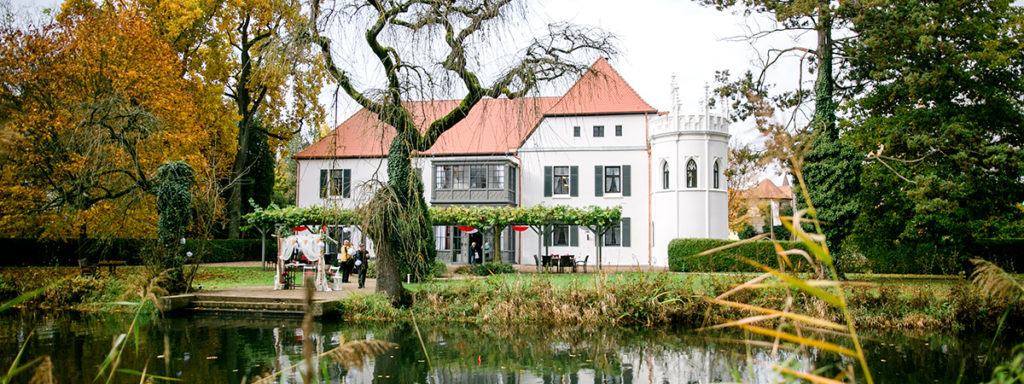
x=94, y=104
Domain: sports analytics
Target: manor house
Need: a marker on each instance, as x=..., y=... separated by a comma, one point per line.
x=598, y=144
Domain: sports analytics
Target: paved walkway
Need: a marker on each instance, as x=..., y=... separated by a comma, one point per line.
x=521, y=268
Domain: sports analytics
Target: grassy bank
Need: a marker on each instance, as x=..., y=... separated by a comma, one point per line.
x=632, y=299
x=69, y=291
x=622, y=299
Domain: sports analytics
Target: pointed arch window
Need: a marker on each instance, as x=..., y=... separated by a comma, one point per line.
x=691, y=174
x=715, y=174
x=664, y=175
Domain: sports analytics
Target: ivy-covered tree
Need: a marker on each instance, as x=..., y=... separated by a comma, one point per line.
x=829, y=167
x=174, y=204
x=943, y=118
x=427, y=49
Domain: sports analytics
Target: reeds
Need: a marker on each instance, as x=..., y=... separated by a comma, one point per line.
x=799, y=327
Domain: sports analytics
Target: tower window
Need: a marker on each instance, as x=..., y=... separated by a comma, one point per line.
x=664, y=175
x=691, y=174
x=715, y=174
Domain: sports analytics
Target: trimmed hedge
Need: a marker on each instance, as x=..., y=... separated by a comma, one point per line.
x=30, y=252
x=682, y=255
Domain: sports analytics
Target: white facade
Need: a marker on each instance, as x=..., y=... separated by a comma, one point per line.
x=622, y=163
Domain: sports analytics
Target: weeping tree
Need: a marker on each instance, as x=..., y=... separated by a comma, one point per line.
x=426, y=49
x=174, y=204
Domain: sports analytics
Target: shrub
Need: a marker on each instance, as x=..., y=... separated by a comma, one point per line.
x=682, y=255
x=486, y=269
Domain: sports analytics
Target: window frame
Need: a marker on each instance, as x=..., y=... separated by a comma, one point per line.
x=612, y=180
x=560, y=231
x=613, y=237
x=618, y=131
x=556, y=185
x=576, y=131
x=598, y=131
x=340, y=189
x=691, y=174
x=715, y=174
x=665, y=176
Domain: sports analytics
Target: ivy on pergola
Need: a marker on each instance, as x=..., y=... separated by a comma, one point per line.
x=539, y=217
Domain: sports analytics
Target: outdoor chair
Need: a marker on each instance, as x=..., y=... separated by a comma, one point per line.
x=583, y=263
x=86, y=268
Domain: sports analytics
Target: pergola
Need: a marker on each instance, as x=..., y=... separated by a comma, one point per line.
x=313, y=219
x=540, y=218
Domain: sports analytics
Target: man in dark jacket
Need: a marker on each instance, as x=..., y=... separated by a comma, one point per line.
x=361, y=262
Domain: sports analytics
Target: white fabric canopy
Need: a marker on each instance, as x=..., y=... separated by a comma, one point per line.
x=307, y=244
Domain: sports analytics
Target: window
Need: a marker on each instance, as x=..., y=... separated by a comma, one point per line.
x=477, y=177
x=618, y=130
x=576, y=131
x=561, y=180
x=691, y=174
x=442, y=177
x=612, y=180
x=485, y=176
x=715, y=174
x=460, y=175
x=613, y=237
x=598, y=131
x=340, y=183
x=664, y=175
x=560, y=235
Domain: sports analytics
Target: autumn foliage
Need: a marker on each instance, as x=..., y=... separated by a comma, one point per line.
x=91, y=106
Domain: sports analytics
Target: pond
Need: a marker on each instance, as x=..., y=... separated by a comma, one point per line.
x=235, y=349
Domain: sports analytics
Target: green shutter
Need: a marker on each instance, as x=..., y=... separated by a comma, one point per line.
x=625, y=181
x=598, y=180
x=574, y=235
x=547, y=181
x=574, y=184
x=547, y=235
x=625, y=232
x=346, y=183
x=324, y=181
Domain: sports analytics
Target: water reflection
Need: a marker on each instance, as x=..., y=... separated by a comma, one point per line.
x=237, y=349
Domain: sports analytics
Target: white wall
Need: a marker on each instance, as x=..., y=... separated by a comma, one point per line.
x=681, y=212
x=553, y=144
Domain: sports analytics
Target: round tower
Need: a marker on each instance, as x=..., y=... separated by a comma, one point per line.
x=689, y=193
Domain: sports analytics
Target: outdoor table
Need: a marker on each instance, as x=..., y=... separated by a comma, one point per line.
x=111, y=265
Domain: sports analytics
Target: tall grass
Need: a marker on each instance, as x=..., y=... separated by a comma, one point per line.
x=799, y=327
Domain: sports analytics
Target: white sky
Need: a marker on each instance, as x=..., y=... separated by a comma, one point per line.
x=657, y=38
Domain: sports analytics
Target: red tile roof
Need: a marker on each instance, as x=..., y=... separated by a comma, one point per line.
x=493, y=126
x=767, y=190
x=600, y=91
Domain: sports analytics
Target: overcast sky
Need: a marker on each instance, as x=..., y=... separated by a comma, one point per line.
x=657, y=38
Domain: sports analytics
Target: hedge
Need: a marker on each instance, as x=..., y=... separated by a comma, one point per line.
x=682, y=255
x=31, y=252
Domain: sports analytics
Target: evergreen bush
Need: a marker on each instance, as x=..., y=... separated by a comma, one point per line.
x=682, y=256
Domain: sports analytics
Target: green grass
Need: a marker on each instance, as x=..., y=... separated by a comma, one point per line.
x=212, y=278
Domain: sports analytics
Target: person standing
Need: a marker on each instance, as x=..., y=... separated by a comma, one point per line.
x=346, y=260
x=474, y=254
x=362, y=260
x=487, y=251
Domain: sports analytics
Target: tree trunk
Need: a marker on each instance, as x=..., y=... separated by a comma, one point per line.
x=390, y=243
